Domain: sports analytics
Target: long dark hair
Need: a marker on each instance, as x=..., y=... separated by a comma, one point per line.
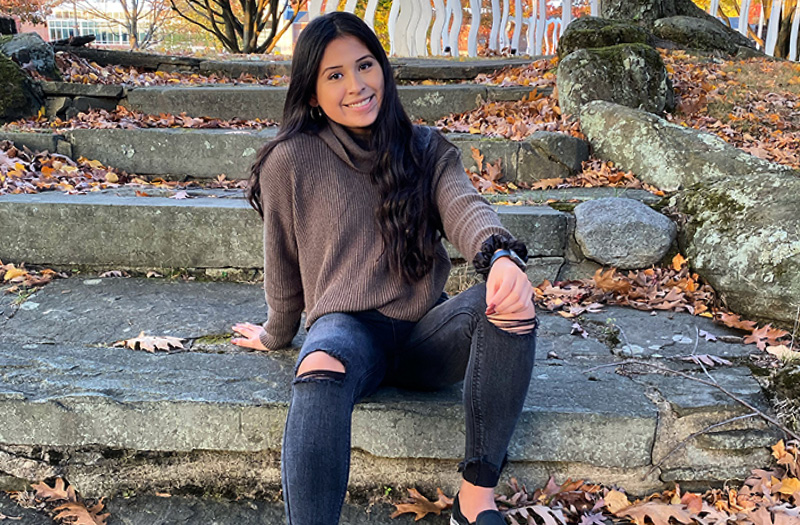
x=404, y=169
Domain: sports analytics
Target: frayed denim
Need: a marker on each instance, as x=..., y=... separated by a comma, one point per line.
x=454, y=341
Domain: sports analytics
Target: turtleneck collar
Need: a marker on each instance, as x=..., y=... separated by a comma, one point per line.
x=345, y=146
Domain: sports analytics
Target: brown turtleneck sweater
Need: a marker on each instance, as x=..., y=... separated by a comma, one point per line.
x=322, y=243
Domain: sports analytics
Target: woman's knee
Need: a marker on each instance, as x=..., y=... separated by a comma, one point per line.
x=320, y=365
x=520, y=323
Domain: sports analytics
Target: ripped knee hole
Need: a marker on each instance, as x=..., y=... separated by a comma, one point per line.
x=516, y=326
x=320, y=365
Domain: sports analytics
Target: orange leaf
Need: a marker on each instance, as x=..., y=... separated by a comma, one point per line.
x=657, y=512
x=678, y=262
x=422, y=506
x=606, y=281
x=57, y=492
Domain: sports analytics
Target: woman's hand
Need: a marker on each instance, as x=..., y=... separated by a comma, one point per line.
x=508, y=290
x=252, y=336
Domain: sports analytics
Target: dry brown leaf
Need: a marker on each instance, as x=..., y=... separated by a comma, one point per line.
x=422, y=506
x=55, y=493
x=616, y=501
x=151, y=343
x=657, y=512
x=76, y=513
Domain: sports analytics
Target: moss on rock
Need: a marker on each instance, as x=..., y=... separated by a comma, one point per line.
x=632, y=75
x=18, y=95
x=592, y=32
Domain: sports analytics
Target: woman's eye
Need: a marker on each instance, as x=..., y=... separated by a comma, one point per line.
x=366, y=65
x=334, y=76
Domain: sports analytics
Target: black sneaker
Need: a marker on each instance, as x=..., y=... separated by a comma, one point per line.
x=487, y=517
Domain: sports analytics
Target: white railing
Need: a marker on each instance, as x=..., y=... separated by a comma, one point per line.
x=417, y=28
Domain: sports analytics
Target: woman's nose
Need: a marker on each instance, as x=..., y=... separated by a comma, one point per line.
x=356, y=83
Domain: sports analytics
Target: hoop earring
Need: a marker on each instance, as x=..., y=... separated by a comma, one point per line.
x=315, y=115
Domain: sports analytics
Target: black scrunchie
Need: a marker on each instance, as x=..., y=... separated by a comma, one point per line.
x=498, y=241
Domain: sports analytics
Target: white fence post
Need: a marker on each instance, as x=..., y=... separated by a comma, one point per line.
x=744, y=17
x=392, y=23
x=774, y=26
x=474, y=24
x=494, y=33
x=595, y=8
x=761, y=19
x=566, y=16
x=454, y=6
x=436, y=31
x=503, y=42
x=794, y=35
x=350, y=6
x=369, y=14
x=713, y=8
x=517, y=26
x=423, y=24
x=331, y=6
x=540, y=25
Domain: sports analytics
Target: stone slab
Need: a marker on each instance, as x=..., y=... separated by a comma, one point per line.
x=131, y=232
x=74, y=395
x=100, y=311
x=174, y=153
x=74, y=89
x=35, y=141
x=428, y=103
x=158, y=232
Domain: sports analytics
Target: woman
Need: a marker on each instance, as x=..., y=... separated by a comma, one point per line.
x=355, y=201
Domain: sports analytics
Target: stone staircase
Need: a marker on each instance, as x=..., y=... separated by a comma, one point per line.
x=206, y=420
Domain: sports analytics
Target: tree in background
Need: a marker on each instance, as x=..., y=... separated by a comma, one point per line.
x=242, y=26
x=141, y=19
x=32, y=11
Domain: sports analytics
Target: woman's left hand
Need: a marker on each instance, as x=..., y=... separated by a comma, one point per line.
x=508, y=290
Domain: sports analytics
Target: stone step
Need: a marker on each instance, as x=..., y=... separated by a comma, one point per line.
x=225, y=101
x=114, y=229
x=209, y=417
x=207, y=153
x=404, y=68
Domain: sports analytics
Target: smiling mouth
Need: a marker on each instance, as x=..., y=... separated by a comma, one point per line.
x=362, y=103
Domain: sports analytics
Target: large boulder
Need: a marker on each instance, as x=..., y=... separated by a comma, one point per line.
x=629, y=74
x=19, y=96
x=666, y=155
x=648, y=12
x=742, y=232
x=591, y=31
x=623, y=233
x=700, y=33
x=29, y=48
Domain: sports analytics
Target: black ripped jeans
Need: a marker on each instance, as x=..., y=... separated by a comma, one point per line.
x=454, y=341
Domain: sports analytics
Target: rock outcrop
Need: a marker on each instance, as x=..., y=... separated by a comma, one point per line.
x=591, y=31
x=19, y=96
x=742, y=232
x=629, y=74
x=623, y=233
x=29, y=48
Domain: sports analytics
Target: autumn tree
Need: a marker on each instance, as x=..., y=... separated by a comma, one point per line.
x=242, y=26
x=141, y=19
x=32, y=11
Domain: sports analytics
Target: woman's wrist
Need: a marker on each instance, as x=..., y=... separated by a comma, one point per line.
x=497, y=242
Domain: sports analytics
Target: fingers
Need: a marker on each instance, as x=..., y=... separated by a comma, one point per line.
x=508, y=289
x=252, y=336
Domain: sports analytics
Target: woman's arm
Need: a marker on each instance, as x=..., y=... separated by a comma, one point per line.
x=282, y=282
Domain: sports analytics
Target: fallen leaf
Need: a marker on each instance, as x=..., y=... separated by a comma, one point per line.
x=76, y=513
x=615, y=501
x=657, y=512
x=150, y=343
x=422, y=506
x=55, y=493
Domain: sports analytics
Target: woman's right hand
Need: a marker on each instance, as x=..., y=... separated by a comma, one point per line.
x=252, y=336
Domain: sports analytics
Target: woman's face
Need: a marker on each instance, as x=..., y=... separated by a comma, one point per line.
x=349, y=84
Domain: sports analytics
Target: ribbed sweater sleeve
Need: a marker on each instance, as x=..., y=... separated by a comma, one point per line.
x=282, y=282
x=467, y=218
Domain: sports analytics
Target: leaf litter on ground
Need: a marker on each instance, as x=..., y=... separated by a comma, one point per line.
x=62, y=503
x=767, y=497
